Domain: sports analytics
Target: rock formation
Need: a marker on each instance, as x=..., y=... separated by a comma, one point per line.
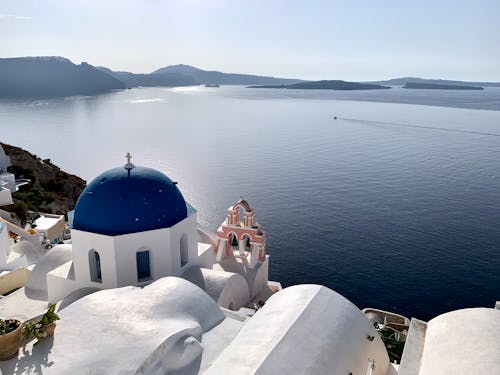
x=50, y=189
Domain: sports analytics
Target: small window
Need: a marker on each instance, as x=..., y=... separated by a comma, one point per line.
x=184, y=250
x=95, y=266
x=143, y=266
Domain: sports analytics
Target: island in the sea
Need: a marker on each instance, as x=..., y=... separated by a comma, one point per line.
x=436, y=86
x=324, y=85
x=54, y=76
x=403, y=80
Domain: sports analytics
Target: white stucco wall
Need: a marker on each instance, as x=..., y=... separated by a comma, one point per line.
x=157, y=242
x=188, y=227
x=462, y=342
x=118, y=258
x=36, y=287
x=5, y=196
x=13, y=280
x=4, y=246
x=60, y=283
x=82, y=243
x=52, y=226
x=4, y=161
x=15, y=261
x=261, y=278
x=206, y=256
x=304, y=329
x=118, y=253
x=256, y=277
x=414, y=347
x=229, y=290
x=9, y=180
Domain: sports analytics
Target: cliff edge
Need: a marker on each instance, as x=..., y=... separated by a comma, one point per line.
x=51, y=190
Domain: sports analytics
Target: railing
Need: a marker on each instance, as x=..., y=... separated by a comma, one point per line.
x=371, y=367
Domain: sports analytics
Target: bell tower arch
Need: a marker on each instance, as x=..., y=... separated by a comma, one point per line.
x=240, y=224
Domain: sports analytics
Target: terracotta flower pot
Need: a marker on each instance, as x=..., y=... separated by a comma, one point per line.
x=49, y=329
x=9, y=343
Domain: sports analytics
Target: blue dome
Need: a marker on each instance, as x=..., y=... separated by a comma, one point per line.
x=118, y=202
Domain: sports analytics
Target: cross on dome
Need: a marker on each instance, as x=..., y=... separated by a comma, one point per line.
x=129, y=165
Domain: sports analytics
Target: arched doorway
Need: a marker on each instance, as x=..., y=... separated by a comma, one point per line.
x=143, y=265
x=95, y=266
x=184, y=250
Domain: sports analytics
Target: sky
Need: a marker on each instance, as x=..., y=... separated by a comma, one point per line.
x=345, y=39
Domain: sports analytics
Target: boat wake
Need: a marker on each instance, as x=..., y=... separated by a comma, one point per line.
x=418, y=126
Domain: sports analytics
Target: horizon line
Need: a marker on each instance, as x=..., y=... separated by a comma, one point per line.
x=254, y=74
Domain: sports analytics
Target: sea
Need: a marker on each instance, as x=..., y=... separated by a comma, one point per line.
x=389, y=197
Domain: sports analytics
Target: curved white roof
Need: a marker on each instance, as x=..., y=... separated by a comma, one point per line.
x=36, y=286
x=304, y=329
x=118, y=331
x=229, y=290
x=463, y=342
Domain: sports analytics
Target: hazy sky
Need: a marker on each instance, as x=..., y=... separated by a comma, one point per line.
x=349, y=39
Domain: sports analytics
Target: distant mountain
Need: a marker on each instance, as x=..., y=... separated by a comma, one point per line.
x=52, y=76
x=404, y=80
x=325, y=85
x=205, y=77
x=151, y=80
x=434, y=86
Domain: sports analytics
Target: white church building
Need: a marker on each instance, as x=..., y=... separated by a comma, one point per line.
x=131, y=226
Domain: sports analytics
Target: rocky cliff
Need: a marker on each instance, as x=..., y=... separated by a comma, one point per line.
x=51, y=190
x=52, y=76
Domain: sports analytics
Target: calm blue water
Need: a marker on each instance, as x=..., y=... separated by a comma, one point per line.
x=395, y=206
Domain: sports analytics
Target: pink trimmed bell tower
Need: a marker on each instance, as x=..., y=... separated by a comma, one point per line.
x=240, y=235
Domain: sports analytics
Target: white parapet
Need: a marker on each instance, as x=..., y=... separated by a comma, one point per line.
x=8, y=181
x=221, y=250
x=5, y=196
x=254, y=258
x=241, y=247
x=52, y=226
x=12, y=280
x=414, y=346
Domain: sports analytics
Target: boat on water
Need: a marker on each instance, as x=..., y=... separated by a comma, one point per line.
x=212, y=85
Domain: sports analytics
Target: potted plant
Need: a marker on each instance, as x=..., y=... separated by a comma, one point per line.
x=10, y=338
x=43, y=327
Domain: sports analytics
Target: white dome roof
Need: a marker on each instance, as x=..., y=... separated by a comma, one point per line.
x=118, y=331
x=463, y=342
x=304, y=329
